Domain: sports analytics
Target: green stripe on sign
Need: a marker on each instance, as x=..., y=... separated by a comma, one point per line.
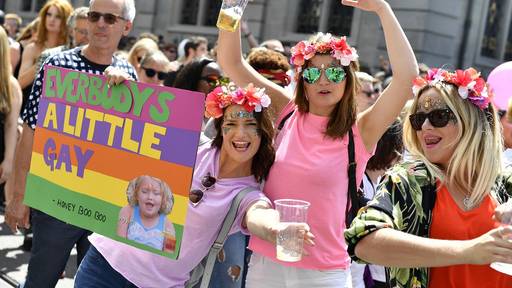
x=83, y=211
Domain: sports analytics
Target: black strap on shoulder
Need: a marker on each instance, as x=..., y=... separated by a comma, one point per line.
x=352, y=197
x=283, y=121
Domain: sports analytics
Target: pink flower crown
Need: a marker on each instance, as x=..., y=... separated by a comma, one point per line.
x=251, y=98
x=470, y=85
x=338, y=48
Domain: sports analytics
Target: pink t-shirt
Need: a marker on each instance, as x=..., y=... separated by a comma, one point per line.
x=203, y=222
x=311, y=167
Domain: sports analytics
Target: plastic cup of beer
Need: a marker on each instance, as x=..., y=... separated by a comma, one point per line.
x=290, y=238
x=506, y=221
x=230, y=14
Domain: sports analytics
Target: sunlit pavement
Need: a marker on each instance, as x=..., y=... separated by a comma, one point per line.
x=14, y=261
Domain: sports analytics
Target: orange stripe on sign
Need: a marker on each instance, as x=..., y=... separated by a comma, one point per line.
x=117, y=163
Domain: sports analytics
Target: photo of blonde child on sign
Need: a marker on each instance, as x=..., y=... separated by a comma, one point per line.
x=144, y=219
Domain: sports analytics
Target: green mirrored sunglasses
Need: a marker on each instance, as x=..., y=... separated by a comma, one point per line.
x=334, y=74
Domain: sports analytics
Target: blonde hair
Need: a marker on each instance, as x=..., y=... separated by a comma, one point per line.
x=144, y=44
x=474, y=164
x=157, y=57
x=5, y=73
x=167, y=197
x=65, y=9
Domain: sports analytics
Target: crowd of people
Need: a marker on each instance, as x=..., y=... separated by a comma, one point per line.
x=404, y=169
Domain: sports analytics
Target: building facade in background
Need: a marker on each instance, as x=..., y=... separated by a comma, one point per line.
x=453, y=34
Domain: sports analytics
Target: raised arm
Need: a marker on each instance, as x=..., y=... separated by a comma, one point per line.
x=374, y=121
x=405, y=250
x=229, y=57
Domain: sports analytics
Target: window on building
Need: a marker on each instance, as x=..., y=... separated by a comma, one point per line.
x=340, y=19
x=212, y=11
x=189, y=12
x=39, y=5
x=308, y=19
x=2, y=4
x=26, y=5
x=324, y=15
x=490, y=41
x=508, y=45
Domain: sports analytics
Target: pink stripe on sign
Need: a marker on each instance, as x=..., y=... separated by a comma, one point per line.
x=160, y=105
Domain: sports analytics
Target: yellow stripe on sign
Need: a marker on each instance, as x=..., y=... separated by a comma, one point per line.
x=98, y=185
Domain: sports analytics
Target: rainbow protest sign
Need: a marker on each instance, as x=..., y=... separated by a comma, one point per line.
x=92, y=141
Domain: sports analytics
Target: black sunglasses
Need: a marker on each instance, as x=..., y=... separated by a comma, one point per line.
x=369, y=94
x=109, y=18
x=195, y=196
x=215, y=80
x=438, y=118
x=152, y=72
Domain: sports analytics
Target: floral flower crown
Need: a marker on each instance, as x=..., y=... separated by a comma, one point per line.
x=470, y=85
x=323, y=44
x=250, y=97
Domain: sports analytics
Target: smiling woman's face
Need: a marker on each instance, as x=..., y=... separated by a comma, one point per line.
x=437, y=143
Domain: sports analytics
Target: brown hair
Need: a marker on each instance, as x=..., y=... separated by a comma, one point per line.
x=65, y=9
x=263, y=58
x=343, y=116
x=265, y=156
x=5, y=73
x=27, y=32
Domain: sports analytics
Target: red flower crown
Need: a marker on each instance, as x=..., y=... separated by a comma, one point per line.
x=470, y=85
x=337, y=47
x=251, y=98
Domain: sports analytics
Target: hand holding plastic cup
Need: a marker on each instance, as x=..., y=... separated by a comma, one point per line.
x=290, y=235
x=230, y=14
x=506, y=220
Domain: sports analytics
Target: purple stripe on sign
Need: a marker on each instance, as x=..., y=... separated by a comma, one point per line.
x=176, y=145
x=159, y=105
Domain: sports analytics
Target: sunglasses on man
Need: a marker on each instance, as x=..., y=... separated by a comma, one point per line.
x=333, y=74
x=109, y=18
x=207, y=182
x=152, y=72
x=438, y=118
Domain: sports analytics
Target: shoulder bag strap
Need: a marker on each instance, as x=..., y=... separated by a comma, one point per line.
x=352, y=186
x=223, y=234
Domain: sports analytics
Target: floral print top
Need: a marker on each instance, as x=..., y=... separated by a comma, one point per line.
x=404, y=201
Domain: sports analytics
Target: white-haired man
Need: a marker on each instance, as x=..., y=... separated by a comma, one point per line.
x=108, y=21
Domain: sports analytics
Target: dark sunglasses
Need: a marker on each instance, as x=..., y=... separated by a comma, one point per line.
x=195, y=196
x=109, y=18
x=334, y=74
x=438, y=118
x=152, y=72
x=369, y=94
x=215, y=80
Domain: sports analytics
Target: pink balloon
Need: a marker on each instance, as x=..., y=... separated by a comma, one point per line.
x=500, y=81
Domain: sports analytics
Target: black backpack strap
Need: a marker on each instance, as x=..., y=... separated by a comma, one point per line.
x=283, y=121
x=352, y=197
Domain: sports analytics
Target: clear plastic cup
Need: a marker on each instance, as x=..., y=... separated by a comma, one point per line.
x=290, y=238
x=230, y=14
x=506, y=221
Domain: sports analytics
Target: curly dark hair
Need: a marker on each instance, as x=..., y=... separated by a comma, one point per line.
x=389, y=148
x=263, y=58
x=189, y=76
x=265, y=156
